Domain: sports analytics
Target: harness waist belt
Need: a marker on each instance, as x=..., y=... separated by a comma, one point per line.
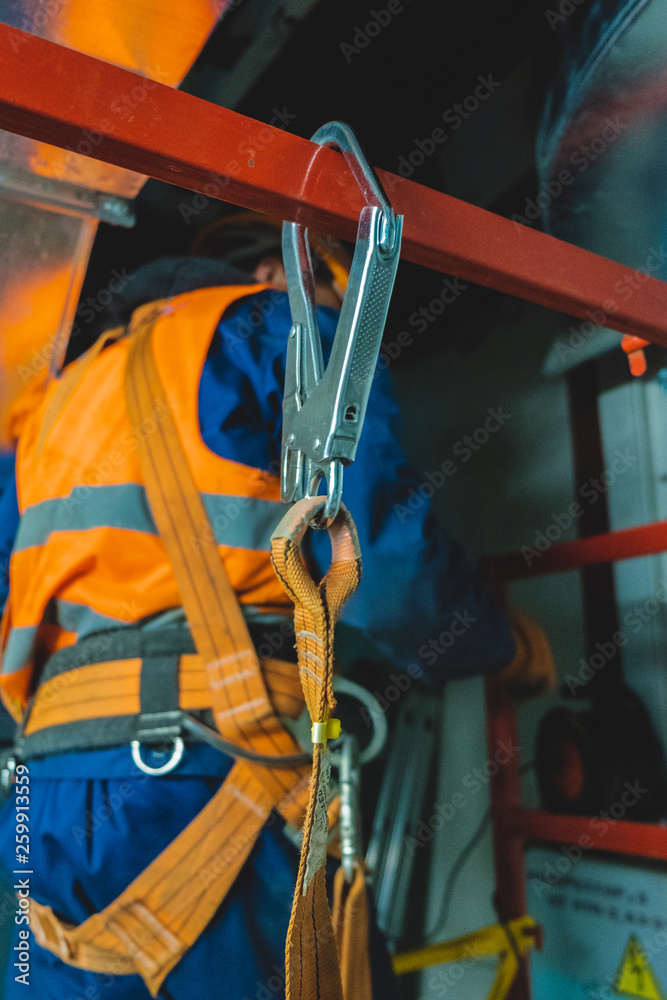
x=133, y=683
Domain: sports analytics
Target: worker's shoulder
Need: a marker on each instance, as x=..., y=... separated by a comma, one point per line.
x=261, y=321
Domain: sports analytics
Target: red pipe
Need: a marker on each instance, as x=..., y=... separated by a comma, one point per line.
x=645, y=540
x=639, y=840
x=62, y=97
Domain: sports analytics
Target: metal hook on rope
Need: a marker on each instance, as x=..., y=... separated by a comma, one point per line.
x=323, y=411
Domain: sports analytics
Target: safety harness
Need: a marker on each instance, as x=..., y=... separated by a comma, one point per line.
x=150, y=925
x=137, y=685
x=132, y=684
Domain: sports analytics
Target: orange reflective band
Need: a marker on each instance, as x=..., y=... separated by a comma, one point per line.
x=112, y=688
x=120, y=573
x=92, y=692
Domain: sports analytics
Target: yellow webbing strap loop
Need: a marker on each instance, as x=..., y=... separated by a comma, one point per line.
x=311, y=960
x=151, y=924
x=510, y=941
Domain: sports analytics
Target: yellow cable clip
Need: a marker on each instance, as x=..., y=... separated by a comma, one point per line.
x=323, y=731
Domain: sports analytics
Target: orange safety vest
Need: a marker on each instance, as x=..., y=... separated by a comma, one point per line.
x=99, y=464
x=87, y=554
x=149, y=526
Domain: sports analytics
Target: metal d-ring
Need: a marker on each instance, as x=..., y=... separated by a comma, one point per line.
x=172, y=763
x=344, y=685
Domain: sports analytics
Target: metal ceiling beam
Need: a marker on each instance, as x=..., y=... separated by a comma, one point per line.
x=71, y=100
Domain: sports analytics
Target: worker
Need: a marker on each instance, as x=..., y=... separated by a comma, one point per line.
x=89, y=585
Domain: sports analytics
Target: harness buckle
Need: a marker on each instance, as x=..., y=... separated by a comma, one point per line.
x=324, y=411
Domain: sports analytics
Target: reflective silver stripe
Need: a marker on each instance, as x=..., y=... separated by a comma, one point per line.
x=229, y=680
x=309, y=635
x=244, y=798
x=117, y=506
x=238, y=522
x=309, y=673
x=19, y=648
x=81, y=619
x=69, y=616
x=243, y=522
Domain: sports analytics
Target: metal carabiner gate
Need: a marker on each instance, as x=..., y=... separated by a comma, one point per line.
x=323, y=411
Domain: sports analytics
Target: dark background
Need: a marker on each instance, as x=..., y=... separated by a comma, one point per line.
x=393, y=91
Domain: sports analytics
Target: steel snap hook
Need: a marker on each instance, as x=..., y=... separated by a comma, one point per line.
x=324, y=410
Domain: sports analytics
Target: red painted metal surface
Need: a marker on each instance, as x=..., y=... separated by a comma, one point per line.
x=645, y=540
x=68, y=99
x=515, y=826
x=505, y=795
x=637, y=840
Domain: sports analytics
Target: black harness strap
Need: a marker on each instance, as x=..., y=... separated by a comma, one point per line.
x=160, y=717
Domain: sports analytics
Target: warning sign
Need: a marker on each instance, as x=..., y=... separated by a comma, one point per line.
x=635, y=976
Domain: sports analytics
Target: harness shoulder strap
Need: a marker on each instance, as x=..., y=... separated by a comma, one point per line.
x=151, y=924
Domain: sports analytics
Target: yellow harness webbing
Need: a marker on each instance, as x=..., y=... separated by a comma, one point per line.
x=147, y=929
x=311, y=957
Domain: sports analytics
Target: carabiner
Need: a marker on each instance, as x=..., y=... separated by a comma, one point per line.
x=324, y=411
x=350, y=808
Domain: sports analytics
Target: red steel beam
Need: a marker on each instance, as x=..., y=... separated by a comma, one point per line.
x=645, y=540
x=639, y=840
x=63, y=97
